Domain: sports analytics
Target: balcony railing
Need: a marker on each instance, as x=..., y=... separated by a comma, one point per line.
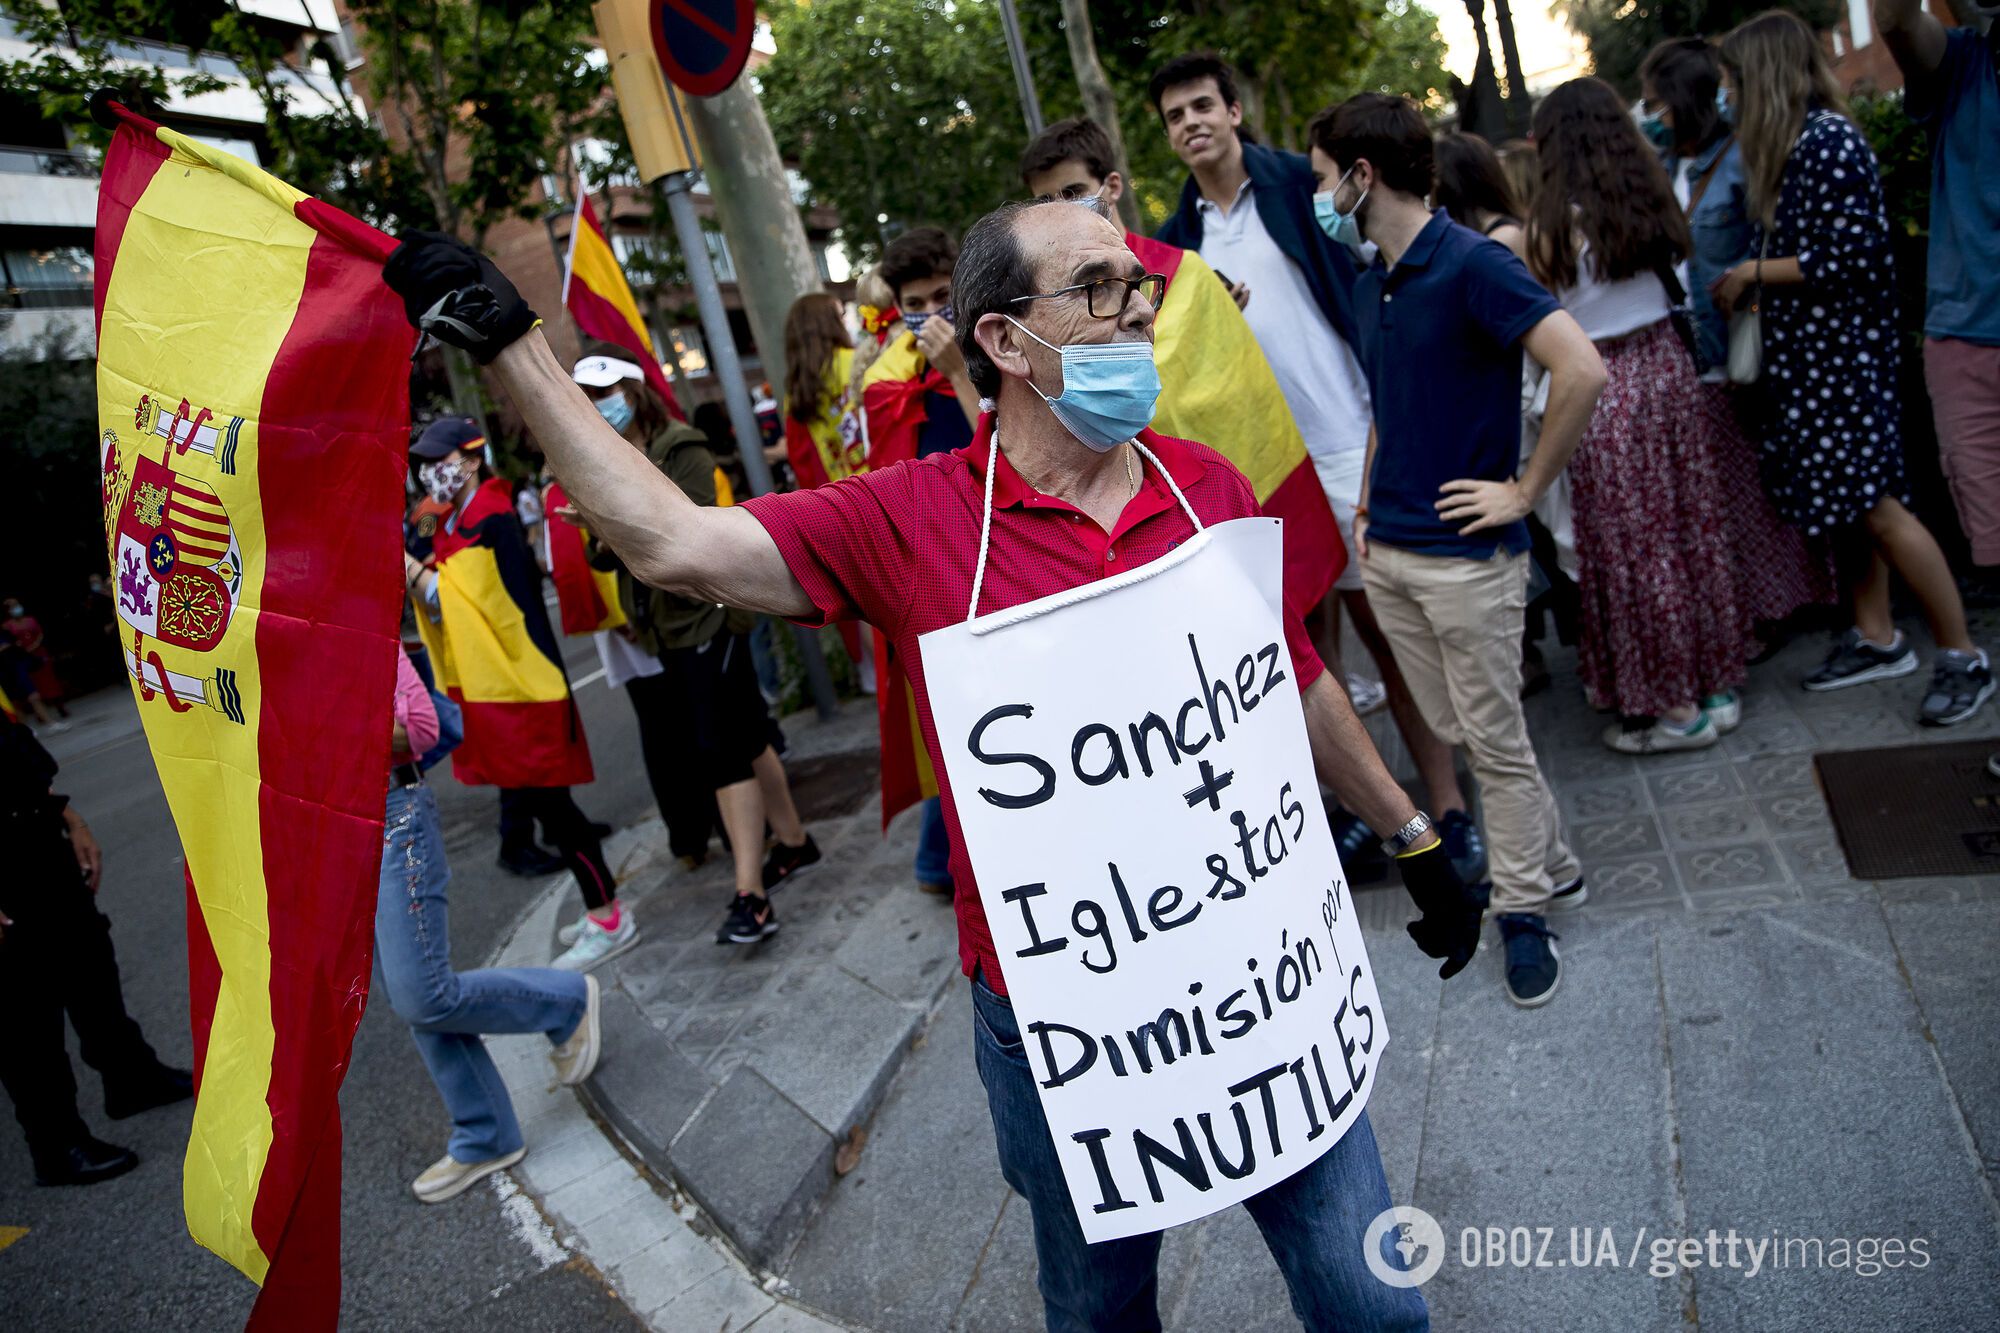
x=47, y=162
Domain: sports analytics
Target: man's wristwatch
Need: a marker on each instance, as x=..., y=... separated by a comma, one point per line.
x=1407, y=836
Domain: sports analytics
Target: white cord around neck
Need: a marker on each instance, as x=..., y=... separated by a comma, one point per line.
x=986, y=511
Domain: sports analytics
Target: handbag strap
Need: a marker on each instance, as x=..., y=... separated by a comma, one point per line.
x=1701, y=186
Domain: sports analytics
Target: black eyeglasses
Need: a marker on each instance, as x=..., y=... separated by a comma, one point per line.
x=1108, y=297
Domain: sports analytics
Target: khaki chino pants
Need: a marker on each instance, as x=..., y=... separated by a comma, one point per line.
x=1455, y=627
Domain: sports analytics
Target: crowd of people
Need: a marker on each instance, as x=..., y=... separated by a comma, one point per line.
x=1641, y=372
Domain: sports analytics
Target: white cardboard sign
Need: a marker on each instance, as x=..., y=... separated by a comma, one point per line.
x=1131, y=770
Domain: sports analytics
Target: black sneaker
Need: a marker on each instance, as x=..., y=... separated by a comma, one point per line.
x=1361, y=854
x=1464, y=844
x=83, y=1163
x=784, y=862
x=1855, y=661
x=530, y=861
x=750, y=919
x=1568, y=895
x=1532, y=965
x=1960, y=683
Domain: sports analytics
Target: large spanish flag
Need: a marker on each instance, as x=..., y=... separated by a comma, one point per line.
x=1216, y=387
x=600, y=300
x=493, y=651
x=253, y=394
x=828, y=445
x=893, y=393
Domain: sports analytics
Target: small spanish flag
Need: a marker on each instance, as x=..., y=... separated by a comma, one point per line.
x=1219, y=389
x=253, y=392
x=601, y=302
x=588, y=598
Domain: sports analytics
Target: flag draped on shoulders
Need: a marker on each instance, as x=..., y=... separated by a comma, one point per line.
x=893, y=394
x=253, y=395
x=495, y=654
x=1218, y=388
x=601, y=302
x=829, y=445
x=588, y=598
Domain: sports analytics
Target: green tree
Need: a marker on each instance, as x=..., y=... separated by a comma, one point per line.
x=1620, y=32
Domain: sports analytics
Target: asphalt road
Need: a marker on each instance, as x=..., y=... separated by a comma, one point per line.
x=118, y=1256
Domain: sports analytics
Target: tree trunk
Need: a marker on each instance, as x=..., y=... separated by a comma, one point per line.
x=1098, y=103
x=753, y=202
x=1518, y=109
x=1480, y=111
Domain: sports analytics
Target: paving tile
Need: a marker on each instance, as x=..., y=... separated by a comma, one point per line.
x=1604, y=800
x=1771, y=734
x=1777, y=773
x=1741, y=865
x=725, y=1302
x=1711, y=823
x=1795, y=812
x=1713, y=781
x=1643, y=881
x=905, y=947
x=835, y=1067
x=1603, y=839
x=645, y=1087
x=1948, y=954
x=1815, y=858
x=549, y=1169
x=591, y=1196
x=675, y=1263
x=756, y=1162
x=1939, y=889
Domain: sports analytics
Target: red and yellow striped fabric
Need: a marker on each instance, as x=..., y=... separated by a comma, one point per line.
x=1216, y=387
x=601, y=302
x=253, y=389
x=587, y=598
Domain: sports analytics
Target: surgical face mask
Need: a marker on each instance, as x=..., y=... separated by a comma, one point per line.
x=1723, y=106
x=1109, y=389
x=1657, y=133
x=445, y=478
x=615, y=408
x=1344, y=228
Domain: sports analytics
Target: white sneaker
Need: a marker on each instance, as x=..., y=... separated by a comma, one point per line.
x=575, y=1058
x=1368, y=695
x=447, y=1178
x=1725, y=710
x=1658, y=739
x=573, y=932
x=595, y=943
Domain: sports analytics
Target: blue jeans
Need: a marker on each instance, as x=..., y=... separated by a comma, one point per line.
x=447, y=1010
x=933, y=845
x=1313, y=1222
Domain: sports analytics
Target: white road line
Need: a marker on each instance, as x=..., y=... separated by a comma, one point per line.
x=590, y=679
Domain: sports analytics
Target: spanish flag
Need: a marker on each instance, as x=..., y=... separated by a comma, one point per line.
x=1216, y=387
x=830, y=445
x=601, y=302
x=253, y=395
x=494, y=653
x=893, y=390
x=588, y=598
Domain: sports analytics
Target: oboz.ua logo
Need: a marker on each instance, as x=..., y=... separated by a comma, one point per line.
x=1416, y=1240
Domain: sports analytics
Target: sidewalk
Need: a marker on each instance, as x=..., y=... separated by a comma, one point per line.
x=1745, y=1038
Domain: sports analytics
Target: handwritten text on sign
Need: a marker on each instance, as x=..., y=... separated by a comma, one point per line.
x=1136, y=790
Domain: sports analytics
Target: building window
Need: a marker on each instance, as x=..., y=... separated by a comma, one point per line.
x=1860, y=23
x=690, y=352
x=48, y=277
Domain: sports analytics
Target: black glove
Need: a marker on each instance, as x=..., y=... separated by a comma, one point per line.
x=1449, y=927
x=456, y=294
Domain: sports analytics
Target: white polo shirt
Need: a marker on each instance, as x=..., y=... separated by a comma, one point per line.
x=1316, y=369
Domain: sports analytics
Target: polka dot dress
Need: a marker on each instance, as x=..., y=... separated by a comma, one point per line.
x=1832, y=444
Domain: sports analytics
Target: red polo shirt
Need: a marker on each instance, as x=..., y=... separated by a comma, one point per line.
x=897, y=547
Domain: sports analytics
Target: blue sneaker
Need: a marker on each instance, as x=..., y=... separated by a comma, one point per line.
x=1464, y=844
x=1532, y=965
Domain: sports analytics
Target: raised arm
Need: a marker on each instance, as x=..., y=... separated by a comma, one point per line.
x=452, y=292
x=1915, y=38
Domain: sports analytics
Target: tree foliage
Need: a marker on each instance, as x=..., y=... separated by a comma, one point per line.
x=1620, y=32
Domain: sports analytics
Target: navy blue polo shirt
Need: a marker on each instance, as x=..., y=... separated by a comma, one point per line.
x=1441, y=342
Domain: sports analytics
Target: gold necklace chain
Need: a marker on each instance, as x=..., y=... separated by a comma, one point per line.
x=1130, y=480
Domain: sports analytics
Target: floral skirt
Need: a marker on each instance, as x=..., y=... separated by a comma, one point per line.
x=1665, y=617
x=1778, y=571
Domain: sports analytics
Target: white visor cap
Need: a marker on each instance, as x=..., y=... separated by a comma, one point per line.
x=601, y=372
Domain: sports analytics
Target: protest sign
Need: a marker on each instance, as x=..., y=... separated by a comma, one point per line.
x=1132, y=775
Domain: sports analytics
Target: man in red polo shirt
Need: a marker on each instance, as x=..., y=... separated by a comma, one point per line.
x=899, y=547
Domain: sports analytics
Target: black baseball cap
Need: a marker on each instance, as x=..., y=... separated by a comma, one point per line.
x=446, y=436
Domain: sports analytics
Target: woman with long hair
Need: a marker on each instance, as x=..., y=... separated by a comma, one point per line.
x=822, y=431
x=1473, y=187
x=1682, y=108
x=1822, y=278
x=1665, y=637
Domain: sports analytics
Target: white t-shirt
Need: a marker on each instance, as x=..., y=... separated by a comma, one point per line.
x=1316, y=370
x=1613, y=309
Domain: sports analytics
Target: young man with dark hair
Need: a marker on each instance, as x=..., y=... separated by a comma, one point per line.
x=1443, y=316
x=1248, y=210
x=916, y=400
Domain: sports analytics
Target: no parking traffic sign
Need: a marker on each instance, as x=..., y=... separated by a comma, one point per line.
x=703, y=44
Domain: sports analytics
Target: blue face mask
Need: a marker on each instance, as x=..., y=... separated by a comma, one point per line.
x=1344, y=228
x=914, y=321
x=1722, y=105
x=1109, y=389
x=616, y=409
x=1657, y=133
